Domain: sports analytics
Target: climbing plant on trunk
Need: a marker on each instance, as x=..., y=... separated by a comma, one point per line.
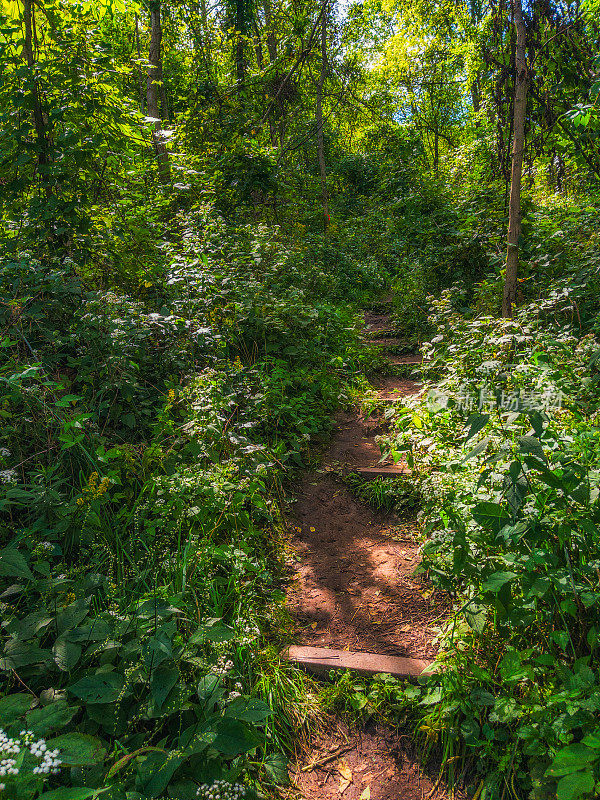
x=319, y=115
x=514, y=211
x=154, y=91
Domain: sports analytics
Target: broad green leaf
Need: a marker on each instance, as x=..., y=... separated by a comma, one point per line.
x=66, y=654
x=13, y=564
x=248, y=710
x=491, y=516
x=78, y=749
x=571, y=759
x=276, y=766
x=73, y=793
x=476, y=423
x=123, y=762
x=21, y=654
x=155, y=772
x=101, y=688
x=478, y=449
x=532, y=446
x=496, y=581
x=14, y=706
x=47, y=719
x=512, y=668
x=572, y=786
x=234, y=738
x=162, y=681
x=213, y=631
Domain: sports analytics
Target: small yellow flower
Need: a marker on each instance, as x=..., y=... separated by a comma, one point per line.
x=312, y=530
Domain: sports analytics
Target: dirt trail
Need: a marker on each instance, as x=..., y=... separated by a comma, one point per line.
x=354, y=589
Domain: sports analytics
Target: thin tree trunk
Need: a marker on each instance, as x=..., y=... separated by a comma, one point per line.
x=38, y=114
x=319, y=114
x=241, y=32
x=153, y=91
x=476, y=94
x=271, y=38
x=139, y=64
x=514, y=210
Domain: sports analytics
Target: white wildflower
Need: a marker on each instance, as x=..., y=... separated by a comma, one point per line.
x=8, y=476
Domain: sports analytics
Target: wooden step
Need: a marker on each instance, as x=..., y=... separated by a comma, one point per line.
x=321, y=659
x=412, y=359
x=383, y=471
x=392, y=341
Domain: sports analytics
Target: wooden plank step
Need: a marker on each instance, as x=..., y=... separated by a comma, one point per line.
x=412, y=359
x=391, y=341
x=383, y=471
x=321, y=659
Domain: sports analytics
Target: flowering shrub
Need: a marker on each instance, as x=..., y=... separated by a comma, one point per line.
x=511, y=515
x=221, y=790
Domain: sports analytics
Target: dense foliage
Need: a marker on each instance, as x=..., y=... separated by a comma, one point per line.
x=195, y=204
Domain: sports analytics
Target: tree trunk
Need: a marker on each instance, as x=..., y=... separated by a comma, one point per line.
x=239, y=52
x=272, y=51
x=271, y=38
x=36, y=103
x=514, y=210
x=154, y=93
x=139, y=64
x=319, y=114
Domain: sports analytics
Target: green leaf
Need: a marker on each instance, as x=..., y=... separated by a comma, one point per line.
x=248, y=710
x=532, y=446
x=276, y=766
x=13, y=564
x=477, y=423
x=571, y=759
x=123, y=762
x=512, y=668
x=66, y=654
x=78, y=749
x=47, y=719
x=22, y=654
x=103, y=688
x=478, y=449
x=14, y=706
x=574, y=785
x=234, y=738
x=74, y=793
x=213, y=631
x=210, y=690
x=155, y=771
x=496, y=581
x=162, y=681
x=491, y=516
x=66, y=400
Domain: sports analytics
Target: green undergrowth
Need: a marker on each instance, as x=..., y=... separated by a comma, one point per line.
x=397, y=494
x=503, y=447
x=144, y=448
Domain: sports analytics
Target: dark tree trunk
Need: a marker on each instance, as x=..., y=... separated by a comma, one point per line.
x=139, y=65
x=41, y=132
x=319, y=115
x=154, y=91
x=514, y=210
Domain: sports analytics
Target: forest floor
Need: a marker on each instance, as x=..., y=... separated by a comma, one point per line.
x=353, y=588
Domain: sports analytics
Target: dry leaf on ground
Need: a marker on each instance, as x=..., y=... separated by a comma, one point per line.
x=346, y=775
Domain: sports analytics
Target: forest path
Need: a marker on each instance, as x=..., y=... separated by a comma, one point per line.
x=353, y=589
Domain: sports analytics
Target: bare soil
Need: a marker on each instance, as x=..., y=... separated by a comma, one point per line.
x=353, y=587
x=376, y=759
